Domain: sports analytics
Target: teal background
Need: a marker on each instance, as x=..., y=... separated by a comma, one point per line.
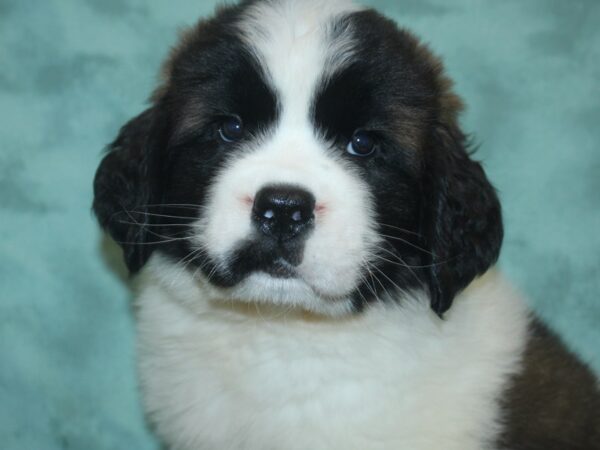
x=71, y=72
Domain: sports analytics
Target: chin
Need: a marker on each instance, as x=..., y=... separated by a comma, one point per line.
x=313, y=244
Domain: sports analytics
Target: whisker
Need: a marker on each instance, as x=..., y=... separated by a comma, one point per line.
x=404, y=230
x=410, y=266
x=361, y=294
x=166, y=216
x=144, y=225
x=190, y=257
x=402, y=290
x=200, y=267
x=402, y=262
x=156, y=224
x=374, y=278
x=407, y=243
x=364, y=279
x=212, y=271
x=166, y=241
x=173, y=205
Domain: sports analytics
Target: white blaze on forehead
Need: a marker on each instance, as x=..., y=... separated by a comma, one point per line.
x=297, y=45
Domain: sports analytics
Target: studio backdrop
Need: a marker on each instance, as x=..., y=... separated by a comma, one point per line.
x=73, y=71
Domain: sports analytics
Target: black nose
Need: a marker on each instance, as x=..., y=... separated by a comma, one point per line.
x=283, y=212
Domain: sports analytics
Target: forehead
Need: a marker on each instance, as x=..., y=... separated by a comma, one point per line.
x=299, y=43
x=346, y=65
x=330, y=63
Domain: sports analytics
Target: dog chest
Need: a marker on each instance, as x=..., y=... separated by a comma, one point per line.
x=390, y=378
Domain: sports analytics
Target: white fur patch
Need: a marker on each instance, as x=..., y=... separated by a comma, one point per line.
x=234, y=376
x=293, y=40
x=344, y=234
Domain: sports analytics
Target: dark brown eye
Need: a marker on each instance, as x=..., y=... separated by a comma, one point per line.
x=231, y=129
x=361, y=144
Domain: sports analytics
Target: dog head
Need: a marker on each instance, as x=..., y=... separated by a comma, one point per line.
x=303, y=153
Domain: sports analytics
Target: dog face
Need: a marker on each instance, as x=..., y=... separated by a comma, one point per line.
x=303, y=154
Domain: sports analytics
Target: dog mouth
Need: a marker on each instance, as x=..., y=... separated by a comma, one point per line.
x=276, y=269
x=280, y=268
x=277, y=260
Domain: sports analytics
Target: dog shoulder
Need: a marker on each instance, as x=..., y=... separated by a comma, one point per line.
x=553, y=401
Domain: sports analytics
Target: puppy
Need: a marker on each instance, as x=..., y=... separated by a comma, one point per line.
x=301, y=209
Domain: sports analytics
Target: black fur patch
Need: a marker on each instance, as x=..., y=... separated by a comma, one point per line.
x=436, y=209
x=164, y=160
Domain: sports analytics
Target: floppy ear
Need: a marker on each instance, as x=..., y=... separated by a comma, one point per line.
x=127, y=181
x=463, y=225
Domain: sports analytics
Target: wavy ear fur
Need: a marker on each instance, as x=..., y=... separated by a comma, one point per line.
x=126, y=182
x=463, y=224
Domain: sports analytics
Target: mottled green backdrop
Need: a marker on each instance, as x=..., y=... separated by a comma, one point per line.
x=71, y=72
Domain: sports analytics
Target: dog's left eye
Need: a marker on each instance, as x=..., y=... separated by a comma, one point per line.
x=361, y=144
x=231, y=129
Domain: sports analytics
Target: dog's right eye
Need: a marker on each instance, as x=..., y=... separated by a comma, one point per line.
x=231, y=129
x=362, y=144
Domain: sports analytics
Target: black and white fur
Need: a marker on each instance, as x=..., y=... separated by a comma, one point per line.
x=331, y=329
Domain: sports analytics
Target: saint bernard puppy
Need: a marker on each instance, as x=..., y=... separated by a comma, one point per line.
x=312, y=240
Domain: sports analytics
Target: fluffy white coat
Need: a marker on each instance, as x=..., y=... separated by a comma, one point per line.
x=219, y=375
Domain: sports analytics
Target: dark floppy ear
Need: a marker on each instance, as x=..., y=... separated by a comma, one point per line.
x=127, y=181
x=463, y=224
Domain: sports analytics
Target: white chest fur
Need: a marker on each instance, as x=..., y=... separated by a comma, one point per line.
x=217, y=376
